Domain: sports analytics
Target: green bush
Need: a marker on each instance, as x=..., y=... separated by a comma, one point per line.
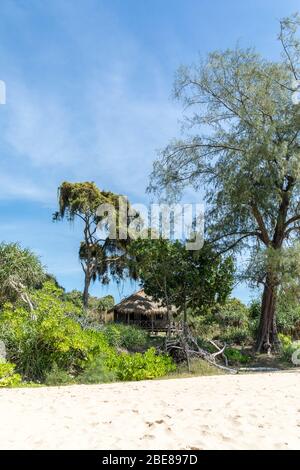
x=58, y=376
x=35, y=346
x=235, y=356
x=235, y=335
x=8, y=377
x=230, y=323
x=288, y=317
x=144, y=366
x=233, y=313
x=97, y=371
x=126, y=336
x=288, y=347
x=205, y=327
x=54, y=347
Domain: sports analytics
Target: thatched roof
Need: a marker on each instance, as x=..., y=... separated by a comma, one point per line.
x=139, y=302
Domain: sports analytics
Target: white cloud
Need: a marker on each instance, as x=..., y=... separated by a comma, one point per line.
x=114, y=142
x=39, y=128
x=16, y=187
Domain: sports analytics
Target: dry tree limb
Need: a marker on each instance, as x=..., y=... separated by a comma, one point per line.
x=20, y=289
x=189, y=347
x=220, y=351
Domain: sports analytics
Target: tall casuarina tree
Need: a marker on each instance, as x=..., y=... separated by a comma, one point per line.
x=242, y=144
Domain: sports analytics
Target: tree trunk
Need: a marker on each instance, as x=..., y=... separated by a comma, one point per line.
x=185, y=324
x=267, y=339
x=85, y=295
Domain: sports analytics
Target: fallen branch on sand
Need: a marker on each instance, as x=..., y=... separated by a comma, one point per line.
x=186, y=346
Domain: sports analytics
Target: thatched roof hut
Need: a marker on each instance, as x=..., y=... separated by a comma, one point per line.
x=142, y=310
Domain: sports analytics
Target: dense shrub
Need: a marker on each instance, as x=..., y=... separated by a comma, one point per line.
x=288, y=317
x=52, y=338
x=205, y=327
x=235, y=335
x=58, y=376
x=126, y=336
x=144, y=366
x=230, y=323
x=288, y=347
x=232, y=313
x=8, y=377
x=235, y=356
x=98, y=371
x=54, y=348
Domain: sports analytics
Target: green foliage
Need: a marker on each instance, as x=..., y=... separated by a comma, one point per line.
x=58, y=376
x=105, y=303
x=20, y=271
x=235, y=356
x=288, y=347
x=74, y=296
x=288, y=315
x=97, y=371
x=236, y=335
x=229, y=323
x=232, y=313
x=174, y=275
x=126, y=336
x=144, y=366
x=102, y=255
x=53, y=338
x=8, y=377
x=96, y=309
x=241, y=144
x=233, y=318
x=80, y=199
x=56, y=349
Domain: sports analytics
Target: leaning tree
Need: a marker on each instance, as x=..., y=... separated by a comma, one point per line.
x=242, y=144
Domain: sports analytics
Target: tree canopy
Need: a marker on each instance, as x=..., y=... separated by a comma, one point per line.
x=20, y=271
x=243, y=145
x=102, y=256
x=170, y=273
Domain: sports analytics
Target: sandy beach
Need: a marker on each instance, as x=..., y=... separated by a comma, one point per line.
x=218, y=412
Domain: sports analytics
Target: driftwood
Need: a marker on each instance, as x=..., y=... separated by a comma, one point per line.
x=259, y=369
x=186, y=345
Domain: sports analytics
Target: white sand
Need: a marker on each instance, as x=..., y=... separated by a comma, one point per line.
x=220, y=412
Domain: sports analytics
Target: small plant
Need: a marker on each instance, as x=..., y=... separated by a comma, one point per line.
x=8, y=377
x=237, y=357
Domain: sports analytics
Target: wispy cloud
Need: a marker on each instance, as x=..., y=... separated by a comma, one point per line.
x=111, y=137
x=18, y=187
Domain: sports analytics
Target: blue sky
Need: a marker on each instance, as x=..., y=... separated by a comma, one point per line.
x=89, y=98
